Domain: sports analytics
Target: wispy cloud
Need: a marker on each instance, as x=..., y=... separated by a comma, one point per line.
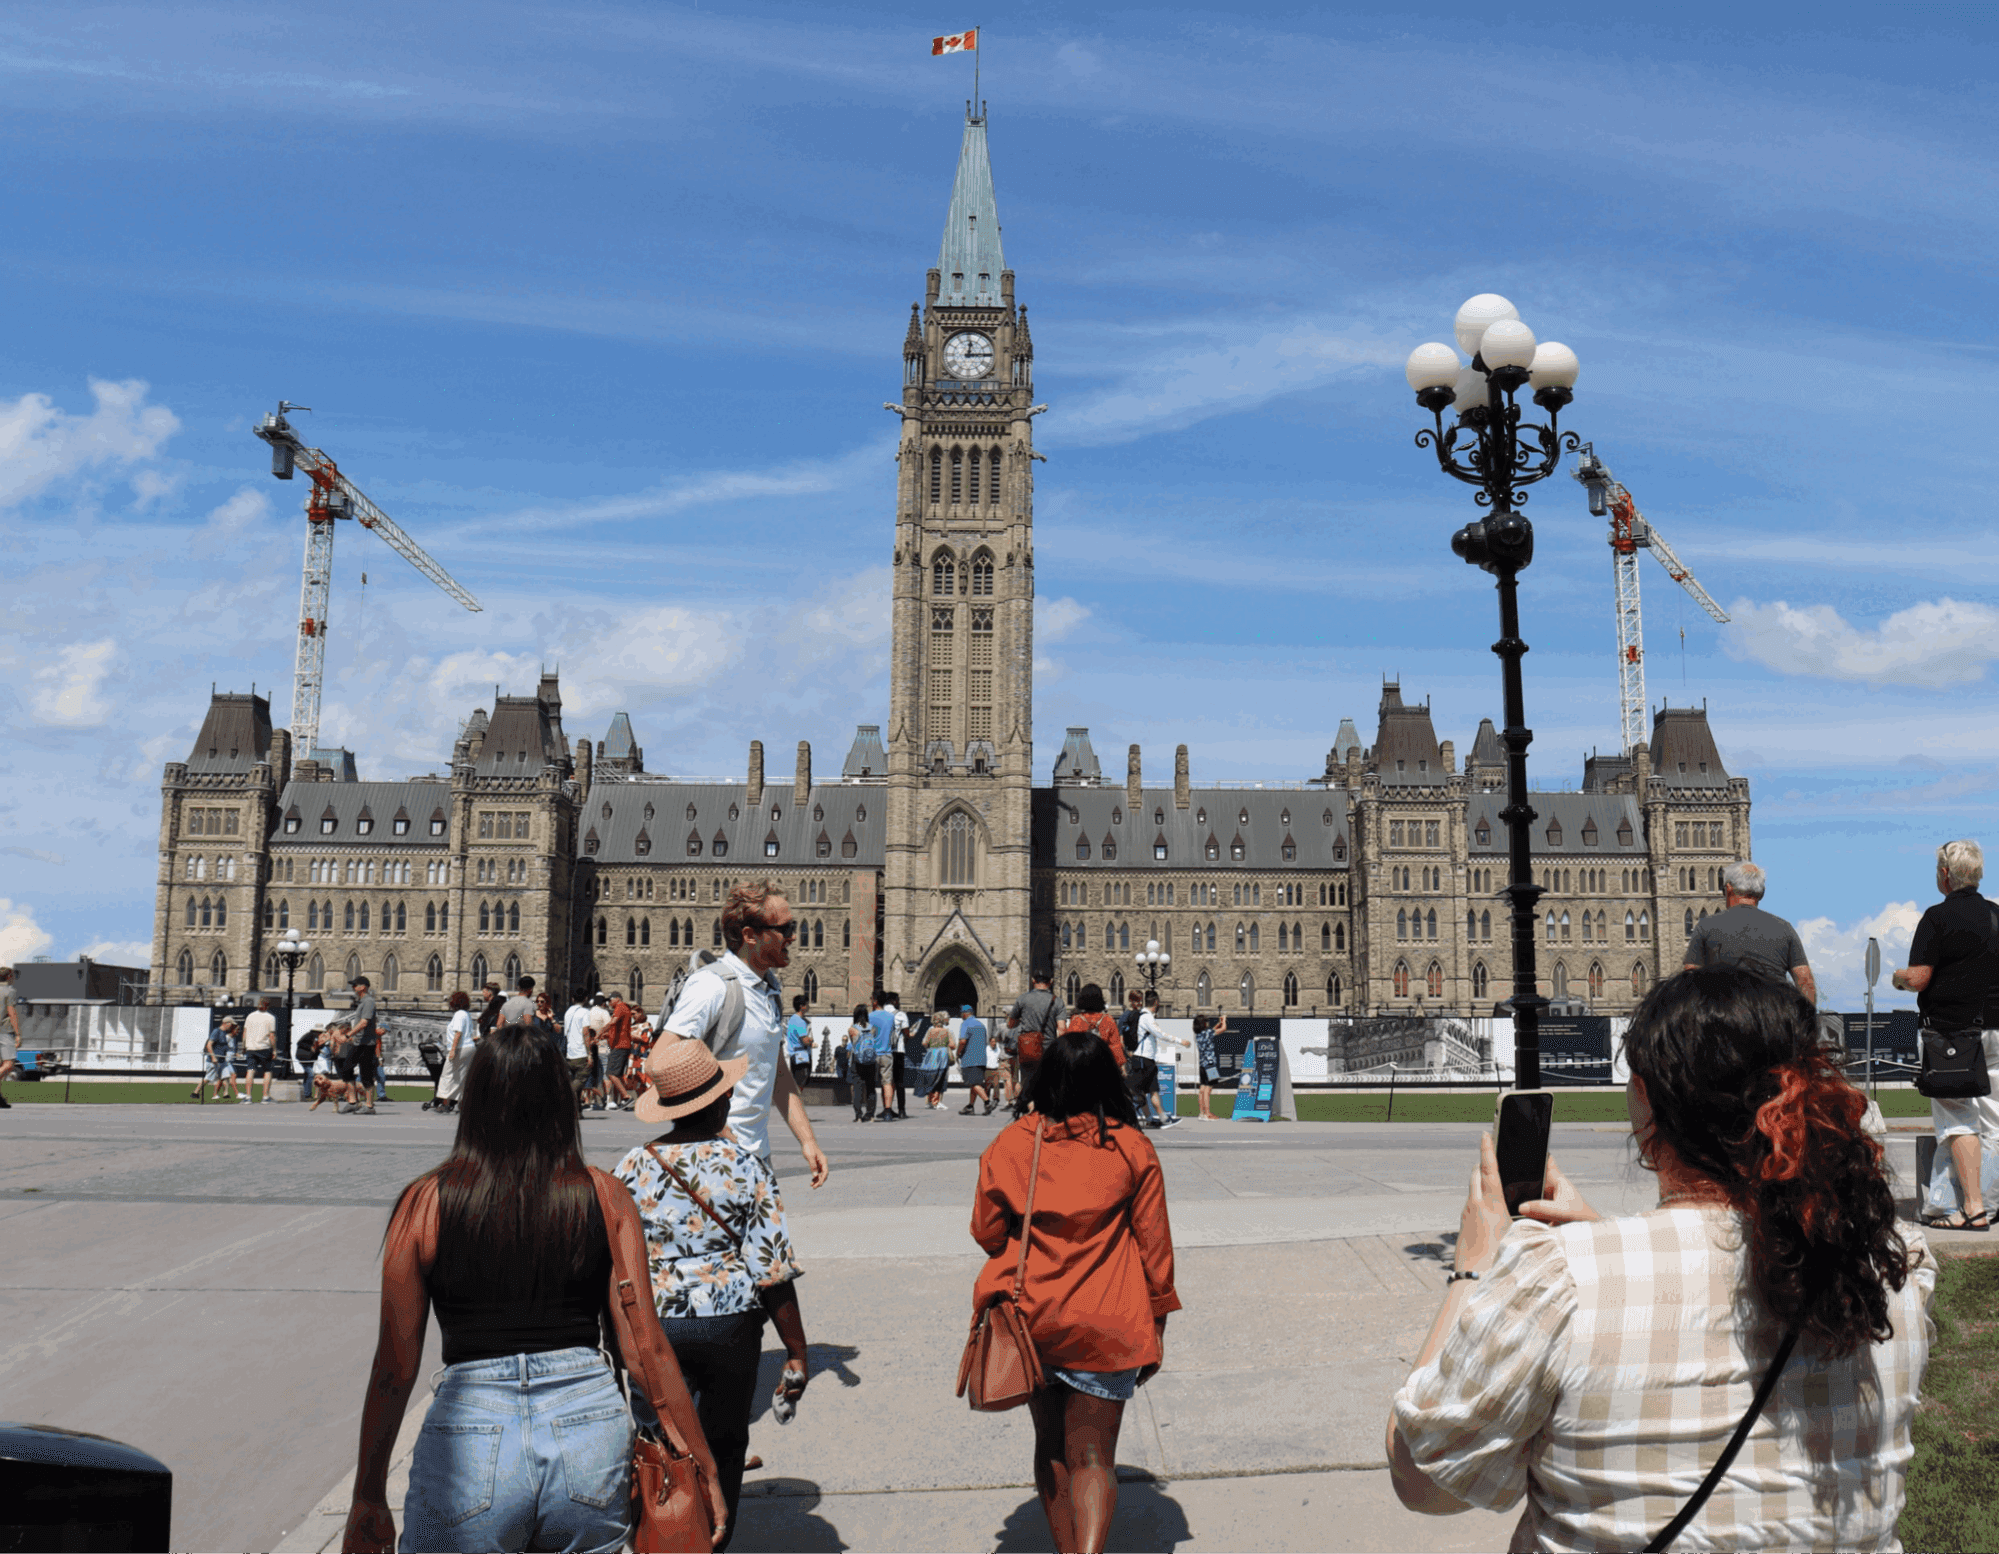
x=1837, y=952
x=21, y=937
x=1948, y=642
x=41, y=444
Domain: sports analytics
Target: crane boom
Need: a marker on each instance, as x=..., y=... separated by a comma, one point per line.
x=333, y=497
x=1630, y=533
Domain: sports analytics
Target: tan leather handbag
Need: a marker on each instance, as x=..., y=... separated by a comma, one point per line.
x=670, y=1505
x=1001, y=1368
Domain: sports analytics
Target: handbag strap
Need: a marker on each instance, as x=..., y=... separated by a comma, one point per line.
x=699, y=1201
x=1027, y=1219
x=1678, y=1524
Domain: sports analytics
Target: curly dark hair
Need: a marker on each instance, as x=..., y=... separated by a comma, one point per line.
x=1743, y=1091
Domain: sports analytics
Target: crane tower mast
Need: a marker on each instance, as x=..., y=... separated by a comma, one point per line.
x=1629, y=534
x=333, y=497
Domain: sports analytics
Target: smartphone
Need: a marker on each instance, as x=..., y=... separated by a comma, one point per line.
x=1520, y=1139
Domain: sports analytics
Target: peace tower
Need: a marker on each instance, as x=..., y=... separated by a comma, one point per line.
x=961, y=735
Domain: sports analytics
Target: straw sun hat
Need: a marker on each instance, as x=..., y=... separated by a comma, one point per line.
x=685, y=1077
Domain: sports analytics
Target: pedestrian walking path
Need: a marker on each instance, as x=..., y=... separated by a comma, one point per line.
x=203, y=1283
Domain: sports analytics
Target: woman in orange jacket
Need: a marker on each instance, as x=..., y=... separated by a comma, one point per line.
x=1099, y=1272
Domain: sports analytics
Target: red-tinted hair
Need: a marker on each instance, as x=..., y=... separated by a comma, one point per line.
x=1745, y=1093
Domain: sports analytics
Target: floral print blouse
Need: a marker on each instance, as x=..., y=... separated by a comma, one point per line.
x=697, y=1270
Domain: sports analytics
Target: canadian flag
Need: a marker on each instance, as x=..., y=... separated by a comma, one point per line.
x=957, y=43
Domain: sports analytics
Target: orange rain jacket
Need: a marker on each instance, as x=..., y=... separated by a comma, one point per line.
x=1100, y=1263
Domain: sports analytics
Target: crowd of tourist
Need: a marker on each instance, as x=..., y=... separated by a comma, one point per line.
x=1743, y=1358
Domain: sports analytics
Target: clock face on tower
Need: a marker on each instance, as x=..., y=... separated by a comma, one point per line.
x=968, y=355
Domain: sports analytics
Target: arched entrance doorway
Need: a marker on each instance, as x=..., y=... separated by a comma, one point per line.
x=956, y=990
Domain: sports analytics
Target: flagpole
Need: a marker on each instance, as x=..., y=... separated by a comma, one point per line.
x=978, y=37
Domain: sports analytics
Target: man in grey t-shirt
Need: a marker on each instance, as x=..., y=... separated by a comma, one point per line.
x=367, y=1050
x=1743, y=934
x=10, y=1031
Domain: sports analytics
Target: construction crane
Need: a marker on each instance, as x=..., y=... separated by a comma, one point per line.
x=333, y=497
x=1629, y=534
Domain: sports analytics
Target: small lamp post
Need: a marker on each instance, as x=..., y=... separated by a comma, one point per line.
x=292, y=950
x=1487, y=444
x=1151, y=961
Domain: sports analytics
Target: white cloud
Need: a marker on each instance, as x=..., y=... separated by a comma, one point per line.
x=68, y=685
x=21, y=937
x=1948, y=642
x=1836, y=953
x=118, y=952
x=1055, y=619
x=40, y=444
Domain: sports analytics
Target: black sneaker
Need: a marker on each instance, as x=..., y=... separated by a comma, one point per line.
x=5, y=1104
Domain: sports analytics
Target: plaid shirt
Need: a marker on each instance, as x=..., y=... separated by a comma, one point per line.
x=1600, y=1368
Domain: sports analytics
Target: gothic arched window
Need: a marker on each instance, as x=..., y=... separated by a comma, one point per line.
x=1402, y=923
x=433, y=975
x=1401, y=983
x=1434, y=980
x=1290, y=990
x=957, y=475
x=1246, y=991
x=480, y=974
x=1561, y=980
x=956, y=860
x=1478, y=980
x=392, y=975
x=631, y=932
x=982, y=577
x=1333, y=990
x=514, y=917
x=943, y=577
x=972, y=476
x=513, y=971
x=993, y=480
x=1075, y=987
x=218, y=970
x=635, y=986
x=1638, y=979
x=1204, y=991
x=184, y=969
x=645, y=932
x=936, y=474
x=1595, y=979
x=1339, y=936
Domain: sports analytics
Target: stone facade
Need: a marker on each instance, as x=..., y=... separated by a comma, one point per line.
x=933, y=865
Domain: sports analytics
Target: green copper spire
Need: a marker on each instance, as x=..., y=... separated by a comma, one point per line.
x=970, y=260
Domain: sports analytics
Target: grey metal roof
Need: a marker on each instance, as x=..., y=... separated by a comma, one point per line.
x=1405, y=745
x=1486, y=750
x=235, y=735
x=1584, y=823
x=619, y=744
x=617, y=819
x=970, y=258
x=1078, y=760
x=865, y=757
x=525, y=733
x=1313, y=821
x=339, y=758
x=1345, y=741
x=1684, y=754
x=351, y=802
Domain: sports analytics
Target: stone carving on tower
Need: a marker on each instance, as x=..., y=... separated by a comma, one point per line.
x=961, y=739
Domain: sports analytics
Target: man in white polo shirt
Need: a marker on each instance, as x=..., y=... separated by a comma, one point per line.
x=757, y=927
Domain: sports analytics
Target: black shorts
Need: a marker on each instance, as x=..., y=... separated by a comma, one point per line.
x=367, y=1064
x=615, y=1060
x=1141, y=1076
x=260, y=1063
x=343, y=1065
x=1211, y=1076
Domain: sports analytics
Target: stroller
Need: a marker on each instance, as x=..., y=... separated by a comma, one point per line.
x=433, y=1060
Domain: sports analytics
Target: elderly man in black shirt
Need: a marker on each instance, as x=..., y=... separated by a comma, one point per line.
x=1954, y=972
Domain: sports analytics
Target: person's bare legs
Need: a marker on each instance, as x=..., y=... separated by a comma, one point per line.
x=1966, y=1150
x=1051, y=1463
x=1207, y=1102
x=1089, y=1440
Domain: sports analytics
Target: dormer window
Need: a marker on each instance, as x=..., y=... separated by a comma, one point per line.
x=1243, y=818
x=860, y=814
x=643, y=845
x=291, y=824
x=1589, y=832
x=605, y=811
x=776, y=814
x=720, y=846
x=693, y=843
x=690, y=812
x=1159, y=817
x=1082, y=847
x=1339, y=849
x=1110, y=847
x=818, y=814
x=328, y=823
x=1326, y=819
x=822, y=847
x=734, y=814
x=1285, y=818
x=1213, y=849
x=1159, y=848
x=590, y=843
x=1237, y=850
x=1554, y=833
x=400, y=825
x=1290, y=850
x=1624, y=833
x=1484, y=834
x=1117, y=815
x=648, y=812
x=770, y=845
x=364, y=826
x=1201, y=816
x=437, y=823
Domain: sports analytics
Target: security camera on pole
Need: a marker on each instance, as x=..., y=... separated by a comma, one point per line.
x=1486, y=444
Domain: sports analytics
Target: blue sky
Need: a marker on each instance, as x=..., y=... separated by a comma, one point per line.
x=602, y=302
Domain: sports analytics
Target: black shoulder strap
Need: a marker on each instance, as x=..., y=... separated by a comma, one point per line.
x=1722, y=1463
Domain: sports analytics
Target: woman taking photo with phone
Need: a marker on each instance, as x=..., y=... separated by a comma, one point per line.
x=1098, y=1276
x=528, y=1442
x=1601, y=1367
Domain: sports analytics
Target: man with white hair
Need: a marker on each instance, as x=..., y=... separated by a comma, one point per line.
x=1743, y=934
x=1954, y=972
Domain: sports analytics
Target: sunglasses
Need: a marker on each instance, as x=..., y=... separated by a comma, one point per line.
x=789, y=930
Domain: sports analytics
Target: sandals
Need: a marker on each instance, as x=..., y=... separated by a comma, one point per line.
x=1980, y=1222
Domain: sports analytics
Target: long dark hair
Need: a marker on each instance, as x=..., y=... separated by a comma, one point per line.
x=1078, y=1077
x=1744, y=1092
x=515, y=1208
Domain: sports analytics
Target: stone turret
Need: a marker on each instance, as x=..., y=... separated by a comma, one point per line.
x=756, y=783
x=801, y=782
x=1134, y=779
x=1182, y=786
x=584, y=771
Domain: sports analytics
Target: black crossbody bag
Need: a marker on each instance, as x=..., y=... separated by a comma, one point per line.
x=1722, y=1463
x=1953, y=1064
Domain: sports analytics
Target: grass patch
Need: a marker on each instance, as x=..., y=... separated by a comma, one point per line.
x=1903, y=1103
x=159, y=1092
x=1367, y=1106
x=1950, y=1503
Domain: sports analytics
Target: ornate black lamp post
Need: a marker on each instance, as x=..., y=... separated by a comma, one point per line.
x=1151, y=961
x=1488, y=445
x=292, y=950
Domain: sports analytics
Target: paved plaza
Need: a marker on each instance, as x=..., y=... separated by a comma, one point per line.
x=201, y=1282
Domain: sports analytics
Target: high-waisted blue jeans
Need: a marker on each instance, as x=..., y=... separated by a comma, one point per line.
x=531, y=1451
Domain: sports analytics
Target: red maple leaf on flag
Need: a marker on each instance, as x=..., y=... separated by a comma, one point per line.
x=956, y=43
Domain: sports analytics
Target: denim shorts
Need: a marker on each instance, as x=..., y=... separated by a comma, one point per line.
x=1114, y=1386
x=530, y=1451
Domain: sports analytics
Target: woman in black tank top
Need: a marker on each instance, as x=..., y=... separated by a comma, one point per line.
x=527, y=1443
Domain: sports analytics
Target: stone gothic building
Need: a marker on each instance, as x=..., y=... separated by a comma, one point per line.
x=934, y=864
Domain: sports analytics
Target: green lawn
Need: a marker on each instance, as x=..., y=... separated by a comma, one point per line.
x=1471, y=1106
x=1950, y=1503
x=160, y=1092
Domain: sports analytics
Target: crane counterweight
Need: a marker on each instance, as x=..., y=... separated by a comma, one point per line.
x=333, y=497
